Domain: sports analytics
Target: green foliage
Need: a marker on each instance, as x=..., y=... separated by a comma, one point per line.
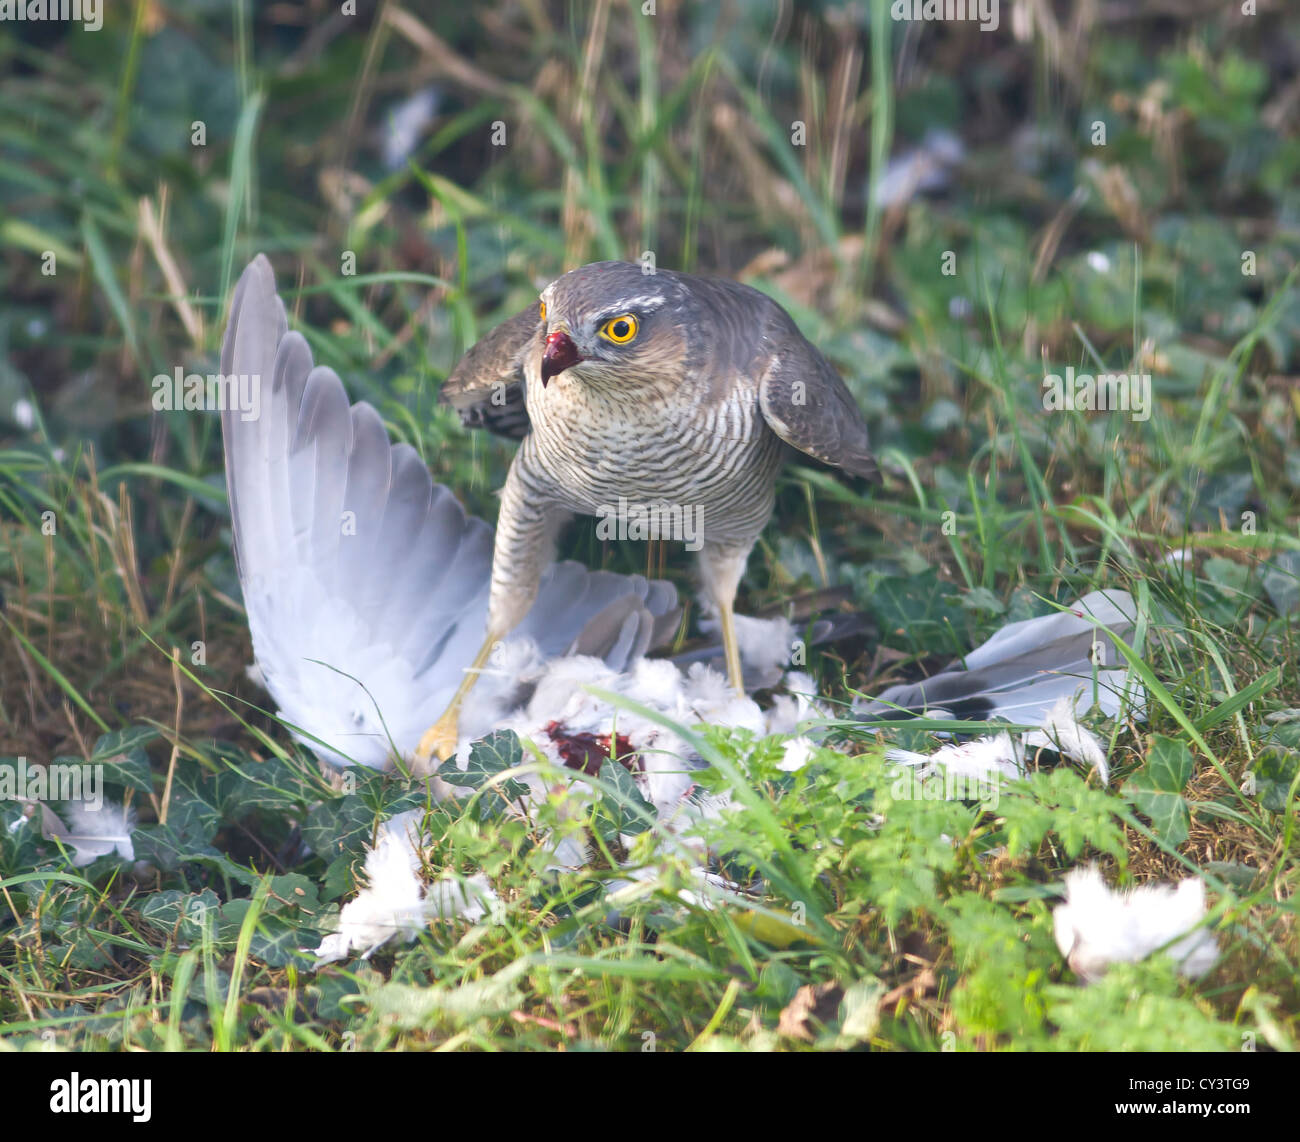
x=1156, y=789
x=1059, y=802
x=489, y=758
x=835, y=878
x=1137, y=1007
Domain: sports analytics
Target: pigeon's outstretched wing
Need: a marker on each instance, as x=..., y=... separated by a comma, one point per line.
x=1026, y=667
x=487, y=386
x=366, y=584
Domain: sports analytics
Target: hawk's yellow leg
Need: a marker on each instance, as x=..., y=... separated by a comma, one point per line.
x=731, y=648
x=439, y=740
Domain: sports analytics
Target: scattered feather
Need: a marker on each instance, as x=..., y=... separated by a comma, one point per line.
x=1096, y=926
x=980, y=758
x=1063, y=732
x=395, y=902
x=797, y=752
x=765, y=647
x=797, y=705
x=92, y=831
x=407, y=122
x=923, y=169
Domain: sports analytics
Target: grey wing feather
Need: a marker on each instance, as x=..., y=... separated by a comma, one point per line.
x=1027, y=666
x=620, y=634
x=366, y=585
x=806, y=403
x=487, y=386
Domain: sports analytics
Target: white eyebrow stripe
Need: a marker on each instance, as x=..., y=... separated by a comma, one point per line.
x=651, y=302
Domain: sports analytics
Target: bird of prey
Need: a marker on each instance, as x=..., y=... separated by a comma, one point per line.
x=675, y=395
x=366, y=585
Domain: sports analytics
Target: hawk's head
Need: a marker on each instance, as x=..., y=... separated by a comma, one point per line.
x=613, y=322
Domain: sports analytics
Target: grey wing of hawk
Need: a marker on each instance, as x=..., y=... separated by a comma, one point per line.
x=808, y=405
x=487, y=386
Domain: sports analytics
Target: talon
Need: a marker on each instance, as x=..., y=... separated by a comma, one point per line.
x=440, y=740
x=438, y=744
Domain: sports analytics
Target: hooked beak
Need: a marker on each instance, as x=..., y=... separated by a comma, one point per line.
x=560, y=354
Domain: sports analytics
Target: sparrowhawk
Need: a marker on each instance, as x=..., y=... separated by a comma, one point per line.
x=657, y=392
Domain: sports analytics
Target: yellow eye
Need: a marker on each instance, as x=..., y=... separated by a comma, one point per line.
x=620, y=329
x=541, y=313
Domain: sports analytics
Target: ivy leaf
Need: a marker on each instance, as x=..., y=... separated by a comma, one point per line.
x=1156, y=789
x=1275, y=772
x=982, y=599
x=122, y=741
x=1239, y=875
x=1232, y=578
x=186, y=914
x=21, y=843
x=1285, y=732
x=332, y=990
x=490, y=757
x=625, y=807
x=164, y=847
x=1166, y=811
x=246, y=784
x=80, y=951
x=338, y=880
x=122, y=755
x=341, y=827
x=292, y=891
x=275, y=941
x=1169, y=764
x=1282, y=581
x=193, y=819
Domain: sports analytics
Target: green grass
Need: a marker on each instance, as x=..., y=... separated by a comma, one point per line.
x=924, y=925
